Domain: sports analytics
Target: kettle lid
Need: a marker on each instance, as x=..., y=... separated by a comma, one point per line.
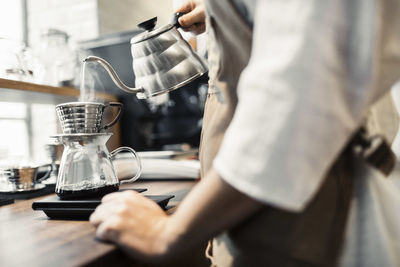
x=149, y=30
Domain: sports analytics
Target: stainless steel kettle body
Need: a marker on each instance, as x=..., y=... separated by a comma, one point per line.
x=162, y=61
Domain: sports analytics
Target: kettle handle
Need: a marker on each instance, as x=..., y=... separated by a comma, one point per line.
x=138, y=161
x=114, y=75
x=175, y=19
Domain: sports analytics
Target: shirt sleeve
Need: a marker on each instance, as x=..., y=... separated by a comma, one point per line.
x=302, y=95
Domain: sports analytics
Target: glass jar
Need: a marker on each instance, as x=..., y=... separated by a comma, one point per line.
x=56, y=61
x=15, y=60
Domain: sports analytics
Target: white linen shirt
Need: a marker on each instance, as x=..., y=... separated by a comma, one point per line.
x=315, y=68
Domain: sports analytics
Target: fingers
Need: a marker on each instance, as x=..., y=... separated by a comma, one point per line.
x=132, y=221
x=197, y=16
x=196, y=29
x=111, y=204
x=109, y=230
x=194, y=18
x=118, y=205
x=101, y=213
x=185, y=7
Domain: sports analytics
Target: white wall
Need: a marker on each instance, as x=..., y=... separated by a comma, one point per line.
x=11, y=22
x=77, y=17
x=87, y=19
x=122, y=15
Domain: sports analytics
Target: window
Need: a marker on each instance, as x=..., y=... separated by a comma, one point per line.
x=25, y=129
x=14, y=132
x=12, y=19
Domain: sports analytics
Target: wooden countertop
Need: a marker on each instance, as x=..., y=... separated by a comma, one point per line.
x=29, y=238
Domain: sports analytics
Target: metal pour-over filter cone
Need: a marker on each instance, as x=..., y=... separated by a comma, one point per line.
x=84, y=117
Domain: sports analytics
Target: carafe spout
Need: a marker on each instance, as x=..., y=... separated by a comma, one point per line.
x=114, y=75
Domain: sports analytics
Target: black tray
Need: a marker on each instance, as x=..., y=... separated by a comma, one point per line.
x=5, y=201
x=55, y=208
x=47, y=190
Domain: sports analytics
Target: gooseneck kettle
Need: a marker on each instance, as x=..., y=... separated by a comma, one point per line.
x=162, y=60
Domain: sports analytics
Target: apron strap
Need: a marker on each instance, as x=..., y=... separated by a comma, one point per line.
x=374, y=150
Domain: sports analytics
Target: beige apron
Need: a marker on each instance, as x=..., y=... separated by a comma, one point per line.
x=227, y=57
x=271, y=237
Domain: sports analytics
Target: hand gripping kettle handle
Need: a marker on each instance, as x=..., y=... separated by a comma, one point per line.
x=175, y=19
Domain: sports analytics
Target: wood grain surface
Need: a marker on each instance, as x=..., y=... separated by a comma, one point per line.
x=40, y=88
x=30, y=238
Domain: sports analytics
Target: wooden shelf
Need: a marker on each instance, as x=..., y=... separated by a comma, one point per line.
x=57, y=91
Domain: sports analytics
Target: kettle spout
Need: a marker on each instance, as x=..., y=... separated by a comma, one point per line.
x=114, y=75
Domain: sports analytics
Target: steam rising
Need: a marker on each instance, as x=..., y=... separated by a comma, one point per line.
x=90, y=74
x=89, y=79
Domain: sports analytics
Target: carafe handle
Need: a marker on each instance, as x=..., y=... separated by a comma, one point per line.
x=114, y=121
x=138, y=161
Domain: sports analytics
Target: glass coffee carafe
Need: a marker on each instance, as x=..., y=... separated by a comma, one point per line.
x=86, y=168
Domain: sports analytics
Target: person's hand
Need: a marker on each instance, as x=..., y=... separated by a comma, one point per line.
x=133, y=222
x=194, y=19
x=142, y=229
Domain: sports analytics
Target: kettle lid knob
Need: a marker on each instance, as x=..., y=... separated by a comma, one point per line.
x=148, y=25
